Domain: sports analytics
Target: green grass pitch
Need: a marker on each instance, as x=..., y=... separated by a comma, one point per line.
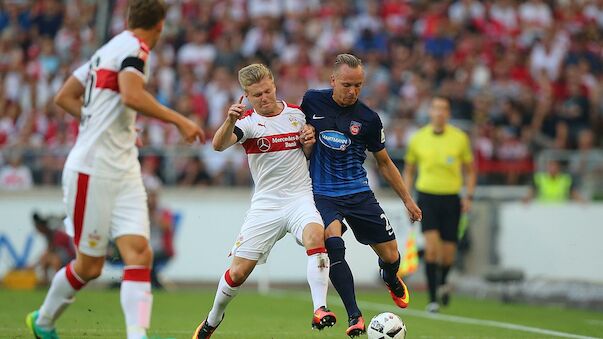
x=287, y=314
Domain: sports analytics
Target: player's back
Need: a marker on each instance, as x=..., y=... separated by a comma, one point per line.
x=343, y=135
x=106, y=141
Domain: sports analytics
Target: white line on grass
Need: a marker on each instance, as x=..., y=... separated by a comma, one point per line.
x=445, y=317
x=471, y=321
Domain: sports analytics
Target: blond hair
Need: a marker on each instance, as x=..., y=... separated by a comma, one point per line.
x=347, y=59
x=254, y=73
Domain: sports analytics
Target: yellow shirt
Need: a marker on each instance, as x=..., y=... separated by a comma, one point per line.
x=439, y=159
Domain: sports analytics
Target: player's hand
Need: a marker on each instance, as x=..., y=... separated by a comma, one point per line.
x=466, y=204
x=190, y=131
x=235, y=111
x=307, y=135
x=414, y=212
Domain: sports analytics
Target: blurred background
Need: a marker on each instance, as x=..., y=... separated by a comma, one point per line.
x=525, y=79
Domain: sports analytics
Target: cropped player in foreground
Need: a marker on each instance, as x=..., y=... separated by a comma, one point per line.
x=276, y=138
x=102, y=184
x=345, y=129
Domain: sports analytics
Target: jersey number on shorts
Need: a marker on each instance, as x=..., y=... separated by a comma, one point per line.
x=388, y=226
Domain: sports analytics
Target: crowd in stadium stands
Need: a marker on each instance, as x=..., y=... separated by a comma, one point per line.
x=522, y=76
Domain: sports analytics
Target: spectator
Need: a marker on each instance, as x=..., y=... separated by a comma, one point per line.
x=59, y=245
x=15, y=176
x=553, y=186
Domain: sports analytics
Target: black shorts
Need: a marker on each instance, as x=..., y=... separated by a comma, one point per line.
x=442, y=213
x=362, y=213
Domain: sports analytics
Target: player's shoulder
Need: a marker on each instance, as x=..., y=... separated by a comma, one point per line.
x=366, y=112
x=124, y=42
x=247, y=115
x=457, y=132
x=318, y=94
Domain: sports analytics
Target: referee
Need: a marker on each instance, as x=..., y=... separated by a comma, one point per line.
x=442, y=153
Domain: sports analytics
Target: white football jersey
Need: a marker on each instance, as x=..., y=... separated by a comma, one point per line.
x=105, y=144
x=276, y=160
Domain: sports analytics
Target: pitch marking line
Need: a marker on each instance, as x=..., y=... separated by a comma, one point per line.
x=444, y=317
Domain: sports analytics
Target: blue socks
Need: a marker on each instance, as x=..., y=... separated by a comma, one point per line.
x=341, y=275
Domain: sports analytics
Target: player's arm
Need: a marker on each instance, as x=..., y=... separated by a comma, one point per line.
x=470, y=180
x=409, y=174
x=134, y=95
x=228, y=134
x=469, y=173
x=70, y=95
x=391, y=174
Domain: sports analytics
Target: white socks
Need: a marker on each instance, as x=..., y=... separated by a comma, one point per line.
x=318, y=275
x=136, y=300
x=227, y=290
x=60, y=295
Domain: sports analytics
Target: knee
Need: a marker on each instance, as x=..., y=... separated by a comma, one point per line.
x=90, y=270
x=314, y=238
x=335, y=248
x=431, y=255
x=138, y=256
x=238, y=275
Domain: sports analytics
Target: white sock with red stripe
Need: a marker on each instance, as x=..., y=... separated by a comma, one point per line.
x=136, y=300
x=227, y=290
x=318, y=275
x=60, y=295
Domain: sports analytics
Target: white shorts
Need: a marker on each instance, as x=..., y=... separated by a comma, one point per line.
x=264, y=227
x=100, y=209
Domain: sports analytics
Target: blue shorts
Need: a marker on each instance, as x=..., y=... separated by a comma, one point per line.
x=361, y=212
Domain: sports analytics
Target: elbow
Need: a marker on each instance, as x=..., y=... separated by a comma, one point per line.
x=59, y=100
x=217, y=146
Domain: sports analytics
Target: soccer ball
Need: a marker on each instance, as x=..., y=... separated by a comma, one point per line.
x=385, y=326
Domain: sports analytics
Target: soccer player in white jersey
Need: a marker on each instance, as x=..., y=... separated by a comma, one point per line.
x=102, y=184
x=276, y=138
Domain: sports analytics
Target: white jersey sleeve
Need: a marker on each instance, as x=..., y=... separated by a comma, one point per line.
x=81, y=73
x=134, y=60
x=246, y=125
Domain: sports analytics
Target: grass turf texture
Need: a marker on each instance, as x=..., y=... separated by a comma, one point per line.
x=287, y=314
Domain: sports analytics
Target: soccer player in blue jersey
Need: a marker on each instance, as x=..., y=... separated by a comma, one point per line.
x=346, y=128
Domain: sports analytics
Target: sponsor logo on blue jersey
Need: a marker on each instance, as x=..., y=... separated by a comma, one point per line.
x=335, y=140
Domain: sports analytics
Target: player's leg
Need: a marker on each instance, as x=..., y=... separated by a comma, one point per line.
x=88, y=202
x=228, y=288
x=432, y=254
x=430, y=226
x=131, y=231
x=305, y=224
x=339, y=271
x=317, y=273
x=389, y=262
x=449, y=236
x=135, y=292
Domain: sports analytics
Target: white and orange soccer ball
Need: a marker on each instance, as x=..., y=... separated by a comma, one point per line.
x=386, y=326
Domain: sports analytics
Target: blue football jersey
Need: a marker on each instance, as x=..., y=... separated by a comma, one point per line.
x=343, y=134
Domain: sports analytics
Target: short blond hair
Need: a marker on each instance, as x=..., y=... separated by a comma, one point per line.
x=254, y=73
x=347, y=59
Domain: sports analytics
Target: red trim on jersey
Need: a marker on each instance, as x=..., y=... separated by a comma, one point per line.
x=246, y=114
x=107, y=79
x=316, y=250
x=141, y=274
x=75, y=281
x=272, y=143
x=229, y=279
x=293, y=106
x=143, y=44
x=80, y=206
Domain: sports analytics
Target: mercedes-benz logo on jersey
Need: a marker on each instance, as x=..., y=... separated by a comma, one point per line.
x=263, y=144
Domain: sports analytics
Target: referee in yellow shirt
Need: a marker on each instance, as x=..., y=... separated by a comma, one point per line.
x=441, y=153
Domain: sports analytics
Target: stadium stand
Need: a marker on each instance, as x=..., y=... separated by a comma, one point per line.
x=522, y=76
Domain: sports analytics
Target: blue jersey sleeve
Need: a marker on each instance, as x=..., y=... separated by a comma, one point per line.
x=375, y=139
